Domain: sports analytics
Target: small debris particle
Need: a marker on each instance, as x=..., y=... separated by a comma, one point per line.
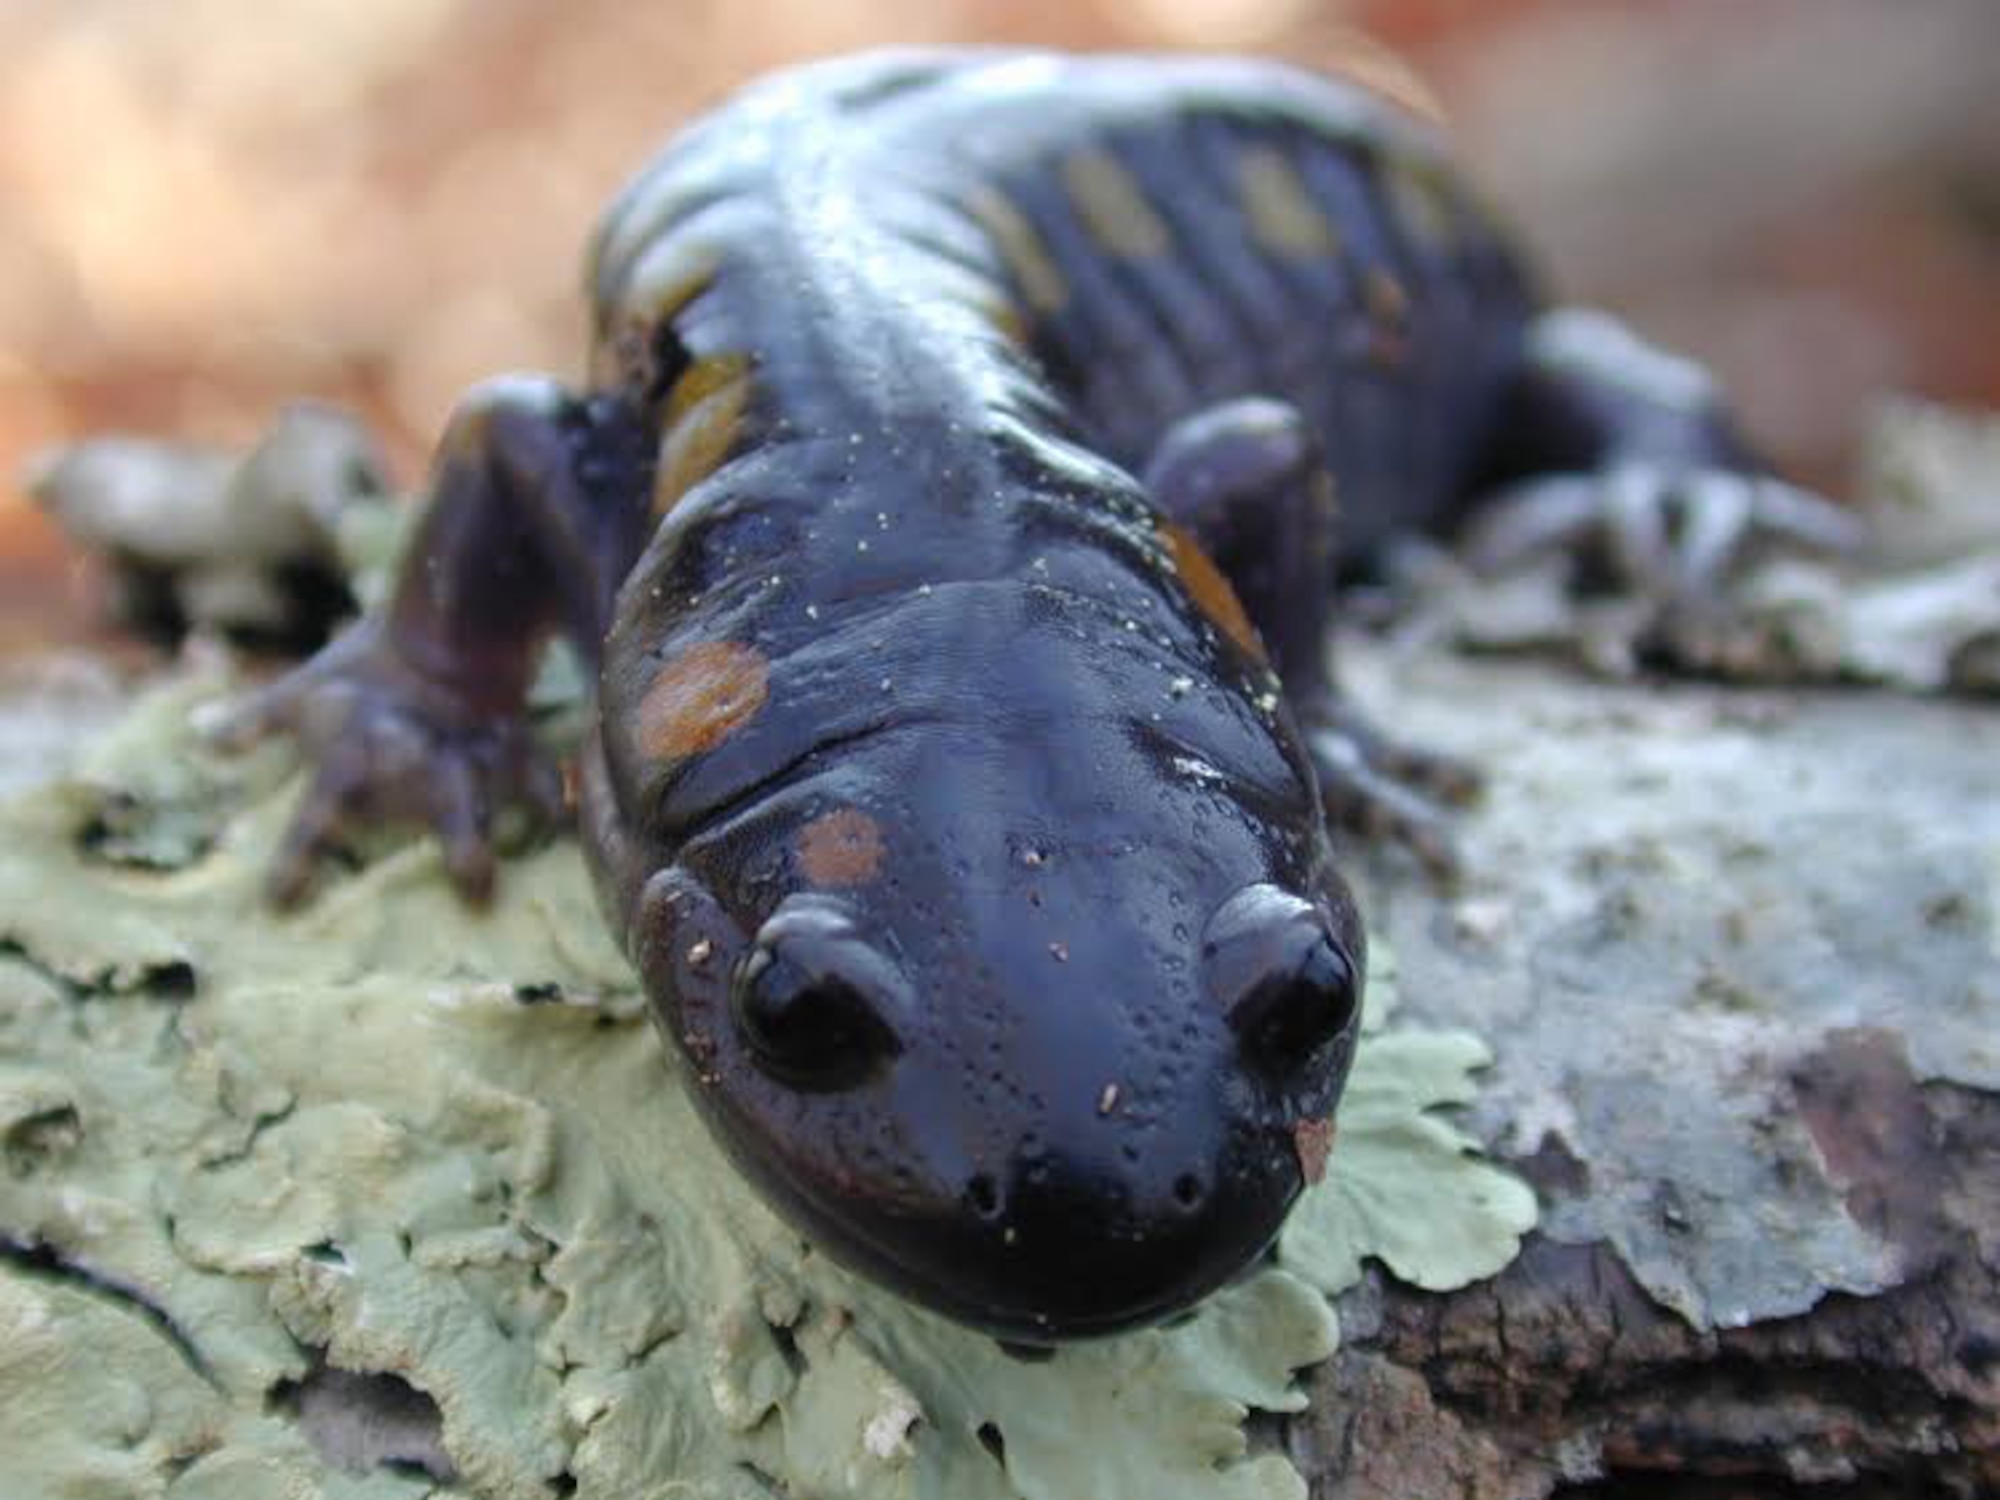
x=1313, y=1139
x=1108, y=1100
x=1060, y=952
x=887, y=1435
x=699, y=952
x=1033, y=858
x=1180, y=687
x=1480, y=919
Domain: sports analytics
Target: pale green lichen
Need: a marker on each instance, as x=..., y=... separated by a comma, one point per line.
x=238, y=1145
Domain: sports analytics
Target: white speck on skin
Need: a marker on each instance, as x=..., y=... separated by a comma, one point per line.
x=1198, y=770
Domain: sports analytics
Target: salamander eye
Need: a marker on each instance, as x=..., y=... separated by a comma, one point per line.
x=1292, y=1012
x=1286, y=973
x=812, y=1031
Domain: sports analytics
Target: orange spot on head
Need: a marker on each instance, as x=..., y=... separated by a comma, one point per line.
x=1210, y=591
x=1113, y=205
x=1313, y=1139
x=701, y=697
x=841, y=848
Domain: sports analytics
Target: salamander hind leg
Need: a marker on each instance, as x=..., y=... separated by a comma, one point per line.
x=1248, y=480
x=416, y=713
x=1623, y=454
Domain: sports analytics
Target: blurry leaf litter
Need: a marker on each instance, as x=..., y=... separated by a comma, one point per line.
x=394, y=1135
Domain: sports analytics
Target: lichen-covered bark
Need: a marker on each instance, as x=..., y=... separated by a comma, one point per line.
x=1737, y=951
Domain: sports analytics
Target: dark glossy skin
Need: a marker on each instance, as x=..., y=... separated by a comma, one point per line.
x=968, y=828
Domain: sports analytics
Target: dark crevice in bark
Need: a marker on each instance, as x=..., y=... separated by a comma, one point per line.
x=46, y=1262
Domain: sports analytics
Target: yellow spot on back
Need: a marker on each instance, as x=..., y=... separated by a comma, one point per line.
x=1420, y=197
x=700, y=697
x=667, y=280
x=841, y=848
x=1027, y=258
x=1210, y=591
x=1283, y=217
x=704, y=415
x=1112, y=205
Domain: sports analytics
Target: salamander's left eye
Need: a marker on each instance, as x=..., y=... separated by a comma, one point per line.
x=808, y=1030
x=1289, y=1014
x=1288, y=984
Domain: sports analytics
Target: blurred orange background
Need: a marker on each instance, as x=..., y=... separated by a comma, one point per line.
x=213, y=205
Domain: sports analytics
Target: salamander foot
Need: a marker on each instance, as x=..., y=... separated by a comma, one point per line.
x=1384, y=789
x=1666, y=532
x=388, y=745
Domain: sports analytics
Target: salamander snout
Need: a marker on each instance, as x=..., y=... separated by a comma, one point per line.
x=1069, y=1247
x=1047, y=1148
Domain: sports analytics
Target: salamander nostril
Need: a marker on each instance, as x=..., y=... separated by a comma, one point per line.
x=1188, y=1191
x=984, y=1196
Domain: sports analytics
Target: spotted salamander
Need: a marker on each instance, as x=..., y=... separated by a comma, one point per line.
x=949, y=522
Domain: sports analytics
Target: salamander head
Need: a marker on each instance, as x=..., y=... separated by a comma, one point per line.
x=1053, y=1082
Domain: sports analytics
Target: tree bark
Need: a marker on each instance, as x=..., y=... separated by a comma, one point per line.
x=1736, y=955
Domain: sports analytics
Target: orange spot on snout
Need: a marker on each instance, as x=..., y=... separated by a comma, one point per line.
x=1313, y=1140
x=701, y=697
x=841, y=848
x=1210, y=590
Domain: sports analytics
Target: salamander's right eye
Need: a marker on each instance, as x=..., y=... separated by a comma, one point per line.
x=809, y=1030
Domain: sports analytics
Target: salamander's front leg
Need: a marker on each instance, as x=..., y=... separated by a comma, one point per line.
x=417, y=713
x=1248, y=480
x=1623, y=453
